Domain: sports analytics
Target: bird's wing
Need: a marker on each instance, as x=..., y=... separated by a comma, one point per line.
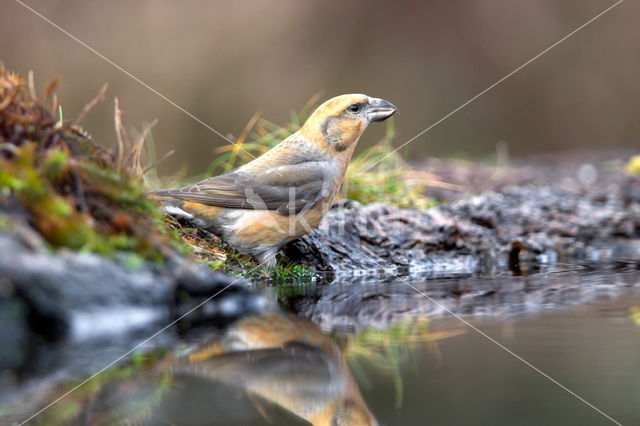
x=286, y=189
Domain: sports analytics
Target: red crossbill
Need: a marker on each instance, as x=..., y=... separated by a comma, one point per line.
x=285, y=360
x=283, y=194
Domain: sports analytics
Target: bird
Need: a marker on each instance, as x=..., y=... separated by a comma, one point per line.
x=285, y=193
x=281, y=359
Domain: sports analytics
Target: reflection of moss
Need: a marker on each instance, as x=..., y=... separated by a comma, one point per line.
x=77, y=194
x=634, y=314
x=126, y=394
x=387, y=349
x=391, y=348
x=292, y=290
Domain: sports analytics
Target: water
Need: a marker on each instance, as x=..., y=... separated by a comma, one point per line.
x=385, y=356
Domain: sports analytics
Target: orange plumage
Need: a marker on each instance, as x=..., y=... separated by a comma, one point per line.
x=283, y=194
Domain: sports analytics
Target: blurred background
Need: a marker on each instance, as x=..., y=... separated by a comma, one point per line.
x=223, y=61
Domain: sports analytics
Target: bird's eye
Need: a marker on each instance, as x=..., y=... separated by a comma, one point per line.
x=354, y=108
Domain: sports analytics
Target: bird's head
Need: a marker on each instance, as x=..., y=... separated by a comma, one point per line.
x=339, y=122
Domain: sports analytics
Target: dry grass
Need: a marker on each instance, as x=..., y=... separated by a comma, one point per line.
x=74, y=192
x=376, y=175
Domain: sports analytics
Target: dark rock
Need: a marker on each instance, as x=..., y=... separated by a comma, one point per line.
x=346, y=306
x=544, y=223
x=80, y=295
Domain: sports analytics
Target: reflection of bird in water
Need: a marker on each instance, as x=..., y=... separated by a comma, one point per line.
x=288, y=361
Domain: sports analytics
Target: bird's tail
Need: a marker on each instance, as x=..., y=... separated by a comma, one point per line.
x=171, y=205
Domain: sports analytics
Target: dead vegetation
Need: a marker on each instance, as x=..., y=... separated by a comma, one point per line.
x=377, y=174
x=56, y=180
x=72, y=191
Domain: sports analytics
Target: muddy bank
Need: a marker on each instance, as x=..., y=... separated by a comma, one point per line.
x=348, y=307
x=531, y=223
x=84, y=252
x=65, y=314
x=78, y=296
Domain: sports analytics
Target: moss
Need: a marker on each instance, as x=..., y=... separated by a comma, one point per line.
x=133, y=390
x=388, y=349
x=293, y=272
x=633, y=166
x=237, y=264
x=77, y=194
x=634, y=314
x=221, y=257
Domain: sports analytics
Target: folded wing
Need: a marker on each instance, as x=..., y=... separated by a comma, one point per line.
x=287, y=189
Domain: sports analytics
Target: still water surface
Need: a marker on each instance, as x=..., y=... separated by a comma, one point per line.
x=425, y=367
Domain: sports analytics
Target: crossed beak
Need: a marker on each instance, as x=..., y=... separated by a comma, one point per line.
x=379, y=110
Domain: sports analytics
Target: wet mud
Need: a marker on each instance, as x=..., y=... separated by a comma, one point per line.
x=534, y=222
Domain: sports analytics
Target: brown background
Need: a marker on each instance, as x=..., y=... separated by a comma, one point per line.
x=225, y=60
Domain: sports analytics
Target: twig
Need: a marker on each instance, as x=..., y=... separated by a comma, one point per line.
x=88, y=107
x=117, y=120
x=54, y=103
x=164, y=157
x=48, y=91
x=136, y=152
x=32, y=85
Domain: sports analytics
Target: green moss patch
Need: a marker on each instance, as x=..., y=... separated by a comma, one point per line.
x=75, y=193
